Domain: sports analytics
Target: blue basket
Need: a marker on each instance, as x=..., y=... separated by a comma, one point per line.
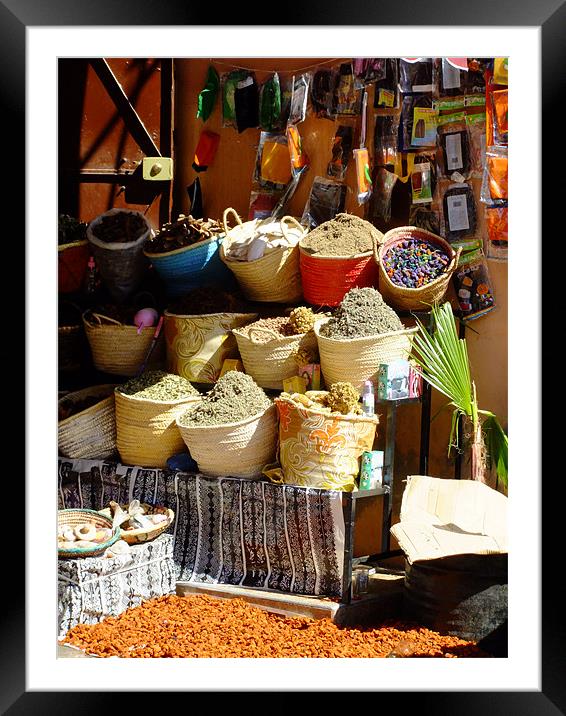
x=191, y=267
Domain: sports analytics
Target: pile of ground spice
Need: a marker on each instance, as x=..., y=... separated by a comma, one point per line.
x=204, y=627
x=345, y=235
x=158, y=385
x=235, y=397
x=363, y=312
x=208, y=299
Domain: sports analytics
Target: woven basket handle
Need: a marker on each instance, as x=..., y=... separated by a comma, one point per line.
x=377, y=244
x=452, y=265
x=228, y=211
x=291, y=220
x=262, y=332
x=99, y=316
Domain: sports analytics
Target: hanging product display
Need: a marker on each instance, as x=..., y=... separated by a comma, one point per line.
x=299, y=98
x=380, y=204
x=363, y=175
x=449, y=81
x=476, y=124
x=422, y=179
x=473, y=286
x=424, y=217
x=299, y=159
x=369, y=70
x=501, y=70
x=454, y=150
x=347, y=96
x=326, y=199
x=286, y=87
x=229, y=82
x=385, y=137
x=262, y=204
x=494, y=184
x=386, y=93
x=475, y=81
x=418, y=122
x=270, y=104
x=206, y=150
x=341, y=151
x=497, y=240
x=459, y=215
x=323, y=93
x=499, y=100
x=207, y=96
x=273, y=166
x=416, y=75
x=246, y=98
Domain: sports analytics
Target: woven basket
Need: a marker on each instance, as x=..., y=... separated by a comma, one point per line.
x=118, y=349
x=190, y=267
x=275, y=277
x=198, y=345
x=72, y=518
x=356, y=360
x=146, y=433
x=73, y=264
x=71, y=344
x=270, y=362
x=414, y=299
x=327, y=279
x=122, y=265
x=239, y=449
x=142, y=535
x=90, y=434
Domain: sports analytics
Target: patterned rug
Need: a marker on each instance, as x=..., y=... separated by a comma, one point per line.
x=227, y=530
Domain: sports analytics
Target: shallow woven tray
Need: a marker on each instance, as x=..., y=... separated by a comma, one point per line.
x=141, y=535
x=74, y=517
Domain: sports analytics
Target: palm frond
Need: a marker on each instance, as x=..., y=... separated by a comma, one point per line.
x=497, y=444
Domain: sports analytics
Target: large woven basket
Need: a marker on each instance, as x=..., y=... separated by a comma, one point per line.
x=74, y=517
x=145, y=535
x=356, y=360
x=190, y=267
x=275, y=277
x=118, y=349
x=198, y=345
x=239, y=449
x=414, y=299
x=270, y=362
x=327, y=279
x=90, y=434
x=73, y=264
x=146, y=433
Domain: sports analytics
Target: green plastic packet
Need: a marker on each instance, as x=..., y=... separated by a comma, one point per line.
x=270, y=104
x=208, y=94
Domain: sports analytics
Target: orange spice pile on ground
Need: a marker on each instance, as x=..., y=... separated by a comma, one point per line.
x=201, y=626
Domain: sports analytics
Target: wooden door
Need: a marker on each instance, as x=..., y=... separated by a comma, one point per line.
x=112, y=113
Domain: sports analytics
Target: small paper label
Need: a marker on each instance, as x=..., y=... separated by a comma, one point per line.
x=450, y=75
x=386, y=98
x=422, y=88
x=454, y=152
x=457, y=213
x=246, y=83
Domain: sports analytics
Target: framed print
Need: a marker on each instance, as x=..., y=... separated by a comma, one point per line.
x=36, y=36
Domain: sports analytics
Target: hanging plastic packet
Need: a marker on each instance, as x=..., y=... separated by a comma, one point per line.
x=342, y=146
x=425, y=217
x=380, y=205
x=386, y=92
x=418, y=122
x=476, y=124
x=497, y=234
x=501, y=70
x=262, y=204
x=494, y=184
x=299, y=98
x=273, y=166
x=475, y=82
x=207, y=96
x=369, y=70
x=323, y=93
x=246, y=97
x=493, y=135
x=385, y=137
x=286, y=85
x=326, y=199
x=454, y=153
x=270, y=104
x=423, y=180
x=363, y=175
x=229, y=82
x=416, y=74
x=449, y=81
x=473, y=285
x=500, y=103
x=347, y=95
x=206, y=150
x=299, y=159
x=459, y=215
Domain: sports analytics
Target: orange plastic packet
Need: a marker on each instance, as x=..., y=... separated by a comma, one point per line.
x=363, y=176
x=275, y=164
x=501, y=111
x=298, y=157
x=497, y=176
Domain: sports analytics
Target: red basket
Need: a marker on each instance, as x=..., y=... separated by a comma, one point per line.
x=326, y=280
x=73, y=264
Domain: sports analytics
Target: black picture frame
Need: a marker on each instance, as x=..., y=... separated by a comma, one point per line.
x=15, y=16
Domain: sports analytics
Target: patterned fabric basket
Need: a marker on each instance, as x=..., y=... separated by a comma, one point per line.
x=74, y=517
x=270, y=362
x=356, y=360
x=145, y=535
x=239, y=449
x=414, y=299
x=146, y=433
x=320, y=450
x=190, y=267
x=73, y=264
x=275, y=277
x=198, y=345
x=91, y=433
x=118, y=349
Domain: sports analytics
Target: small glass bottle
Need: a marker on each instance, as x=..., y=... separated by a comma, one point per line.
x=368, y=398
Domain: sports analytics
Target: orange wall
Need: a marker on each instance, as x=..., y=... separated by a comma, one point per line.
x=228, y=183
